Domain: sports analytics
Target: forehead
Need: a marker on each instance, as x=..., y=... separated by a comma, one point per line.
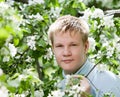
x=67, y=37
x=70, y=33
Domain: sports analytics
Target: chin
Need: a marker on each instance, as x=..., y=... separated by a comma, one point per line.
x=68, y=71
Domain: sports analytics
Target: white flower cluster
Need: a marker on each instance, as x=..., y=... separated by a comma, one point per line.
x=8, y=51
x=102, y=67
x=29, y=59
x=8, y=13
x=31, y=2
x=3, y=7
x=117, y=46
x=92, y=43
x=1, y=72
x=55, y=12
x=3, y=92
x=16, y=81
x=72, y=89
x=19, y=95
x=98, y=13
x=49, y=54
x=12, y=49
x=31, y=42
x=103, y=25
x=3, y=89
x=57, y=93
x=39, y=93
x=37, y=17
x=108, y=21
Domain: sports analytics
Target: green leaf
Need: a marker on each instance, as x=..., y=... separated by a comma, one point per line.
x=11, y=89
x=2, y=0
x=16, y=41
x=41, y=43
x=3, y=34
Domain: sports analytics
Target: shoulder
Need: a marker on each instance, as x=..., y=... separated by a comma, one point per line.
x=106, y=75
x=106, y=80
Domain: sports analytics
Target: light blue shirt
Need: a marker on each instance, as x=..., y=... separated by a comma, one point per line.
x=101, y=81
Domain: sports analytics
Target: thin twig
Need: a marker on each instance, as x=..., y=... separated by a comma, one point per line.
x=39, y=70
x=93, y=67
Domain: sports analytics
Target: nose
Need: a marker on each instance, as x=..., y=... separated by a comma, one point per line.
x=67, y=52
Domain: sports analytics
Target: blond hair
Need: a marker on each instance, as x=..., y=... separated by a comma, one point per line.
x=70, y=24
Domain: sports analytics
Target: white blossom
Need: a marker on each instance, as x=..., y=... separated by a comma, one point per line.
x=8, y=40
x=67, y=79
x=98, y=13
x=99, y=54
x=6, y=54
x=3, y=7
x=96, y=25
x=55, y=12
x=4, y=51
x=49, y=54
x=14, y=83
x=35, y=1
x=20, y=95
x=108, y=21
x=37, y=16
x=10, y=2
x=29, y=59
x=92, y=43
x=110, y=51
x=118, y=56
x=1, y=72
x=13, y=49
x=116, y=43
x=87, y=14
x=39, y=93
x=17, y=57
x=6, y=58
x=3, y=92
x=102, y=67
x=31, y=42
x=61, y=1
x=76, y=89
x=117, y=47
x=56, y=93
x=80, y=0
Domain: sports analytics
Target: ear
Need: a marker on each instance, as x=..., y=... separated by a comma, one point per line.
x=52, y=47
x=86, y=46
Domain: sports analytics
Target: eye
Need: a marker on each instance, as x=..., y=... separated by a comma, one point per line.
x=73, y=44
x=59, y=46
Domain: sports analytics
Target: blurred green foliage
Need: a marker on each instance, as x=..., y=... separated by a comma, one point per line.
x=25, y=27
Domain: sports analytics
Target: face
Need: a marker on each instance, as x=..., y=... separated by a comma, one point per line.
x=70, y=51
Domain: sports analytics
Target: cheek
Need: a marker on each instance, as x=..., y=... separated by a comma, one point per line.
x=78, y=54
x=57, y=55
x=58, y=59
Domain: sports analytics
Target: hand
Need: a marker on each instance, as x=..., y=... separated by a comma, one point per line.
x=84, y=84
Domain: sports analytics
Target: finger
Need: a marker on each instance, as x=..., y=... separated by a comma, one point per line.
x=78, y=76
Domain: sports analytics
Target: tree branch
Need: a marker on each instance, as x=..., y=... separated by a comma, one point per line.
x=39, y=70
x=116, y=12
x=23, y=1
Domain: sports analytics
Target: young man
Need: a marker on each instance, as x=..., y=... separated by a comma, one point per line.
x=69, y=39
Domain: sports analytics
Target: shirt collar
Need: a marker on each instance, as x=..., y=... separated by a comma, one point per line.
x=84, y=70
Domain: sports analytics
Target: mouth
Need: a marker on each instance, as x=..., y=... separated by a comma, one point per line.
x=67, y=61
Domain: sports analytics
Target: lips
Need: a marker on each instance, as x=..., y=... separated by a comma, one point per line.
x=67, y=61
